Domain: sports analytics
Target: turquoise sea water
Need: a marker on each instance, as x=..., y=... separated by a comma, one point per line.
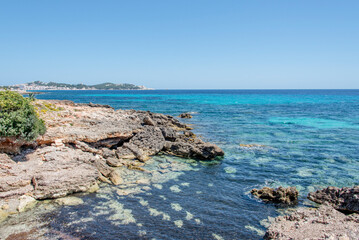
x=309, y=138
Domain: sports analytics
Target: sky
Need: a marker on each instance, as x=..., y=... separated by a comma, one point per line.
x=183, y=44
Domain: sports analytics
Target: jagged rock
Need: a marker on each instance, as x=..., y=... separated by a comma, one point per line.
x=26, y=202
x=125, y=153
x=344, y=199
x=101, y=165
x=280, y=195
x=150, y=141
x=148, y=121
x=169, y=134
x=69, y=201
x=137, y=152
x=309, y=223
x=185, y=115
x=204, y=151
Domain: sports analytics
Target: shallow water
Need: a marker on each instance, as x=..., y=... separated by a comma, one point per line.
x=308, y=139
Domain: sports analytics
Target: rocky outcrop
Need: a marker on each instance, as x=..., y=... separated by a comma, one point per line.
x=308, y=223
x=185, y=115
x=48, y=172
x=343, y=199
x=280, y=195
x=85, y=143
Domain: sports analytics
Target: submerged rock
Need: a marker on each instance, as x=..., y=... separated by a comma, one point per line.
x=343, y=199
x=185, y=115
x=69, y=201
x=280, y=195
x=308, y=223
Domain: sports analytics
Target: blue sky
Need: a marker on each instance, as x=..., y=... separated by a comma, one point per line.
x=182, y=44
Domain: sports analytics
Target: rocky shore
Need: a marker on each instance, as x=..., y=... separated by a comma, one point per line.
x=86, y=144
x=336, y=218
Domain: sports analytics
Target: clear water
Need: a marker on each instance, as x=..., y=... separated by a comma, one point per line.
x=310, y=140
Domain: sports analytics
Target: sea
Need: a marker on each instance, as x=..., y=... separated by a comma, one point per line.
x=303, y=138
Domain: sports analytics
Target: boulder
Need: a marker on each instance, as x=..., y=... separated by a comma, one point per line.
x=309, y=223
x=344, y=199
x=280, y=195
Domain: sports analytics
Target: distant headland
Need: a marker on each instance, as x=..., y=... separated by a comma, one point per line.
x=38, y=85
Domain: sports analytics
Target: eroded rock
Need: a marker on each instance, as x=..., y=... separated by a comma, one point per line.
x=85, y=142
x=344, y=199
x=283, y=195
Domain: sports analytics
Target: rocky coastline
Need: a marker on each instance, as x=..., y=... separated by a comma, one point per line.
x=89, y=144
x=84, y=145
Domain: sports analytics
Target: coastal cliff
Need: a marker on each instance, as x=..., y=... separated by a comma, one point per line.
x=84, y=145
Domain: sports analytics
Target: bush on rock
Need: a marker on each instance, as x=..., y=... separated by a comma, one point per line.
x=18, y=117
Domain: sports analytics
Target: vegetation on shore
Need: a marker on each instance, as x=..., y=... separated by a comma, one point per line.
x=18, y=117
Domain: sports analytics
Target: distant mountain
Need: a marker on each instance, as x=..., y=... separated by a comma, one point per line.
x=38, y=85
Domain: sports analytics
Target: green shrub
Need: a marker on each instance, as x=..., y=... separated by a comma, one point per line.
x=18, y=117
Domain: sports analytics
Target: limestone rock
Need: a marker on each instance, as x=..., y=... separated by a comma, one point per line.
x=12, y=144
x=114, y=162
x=69, y=201
x=101, y=165
x=83, y=143
x=115, y=177
x=280, y=195
x=309, y=223
x=344, y=199
x=26, y=202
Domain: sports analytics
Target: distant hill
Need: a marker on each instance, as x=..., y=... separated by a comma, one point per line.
x=38, y=85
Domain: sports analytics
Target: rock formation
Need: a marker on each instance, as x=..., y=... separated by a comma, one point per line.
x=85, y=143
x=343, y=199
x=308, y=223
x=280, y=195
